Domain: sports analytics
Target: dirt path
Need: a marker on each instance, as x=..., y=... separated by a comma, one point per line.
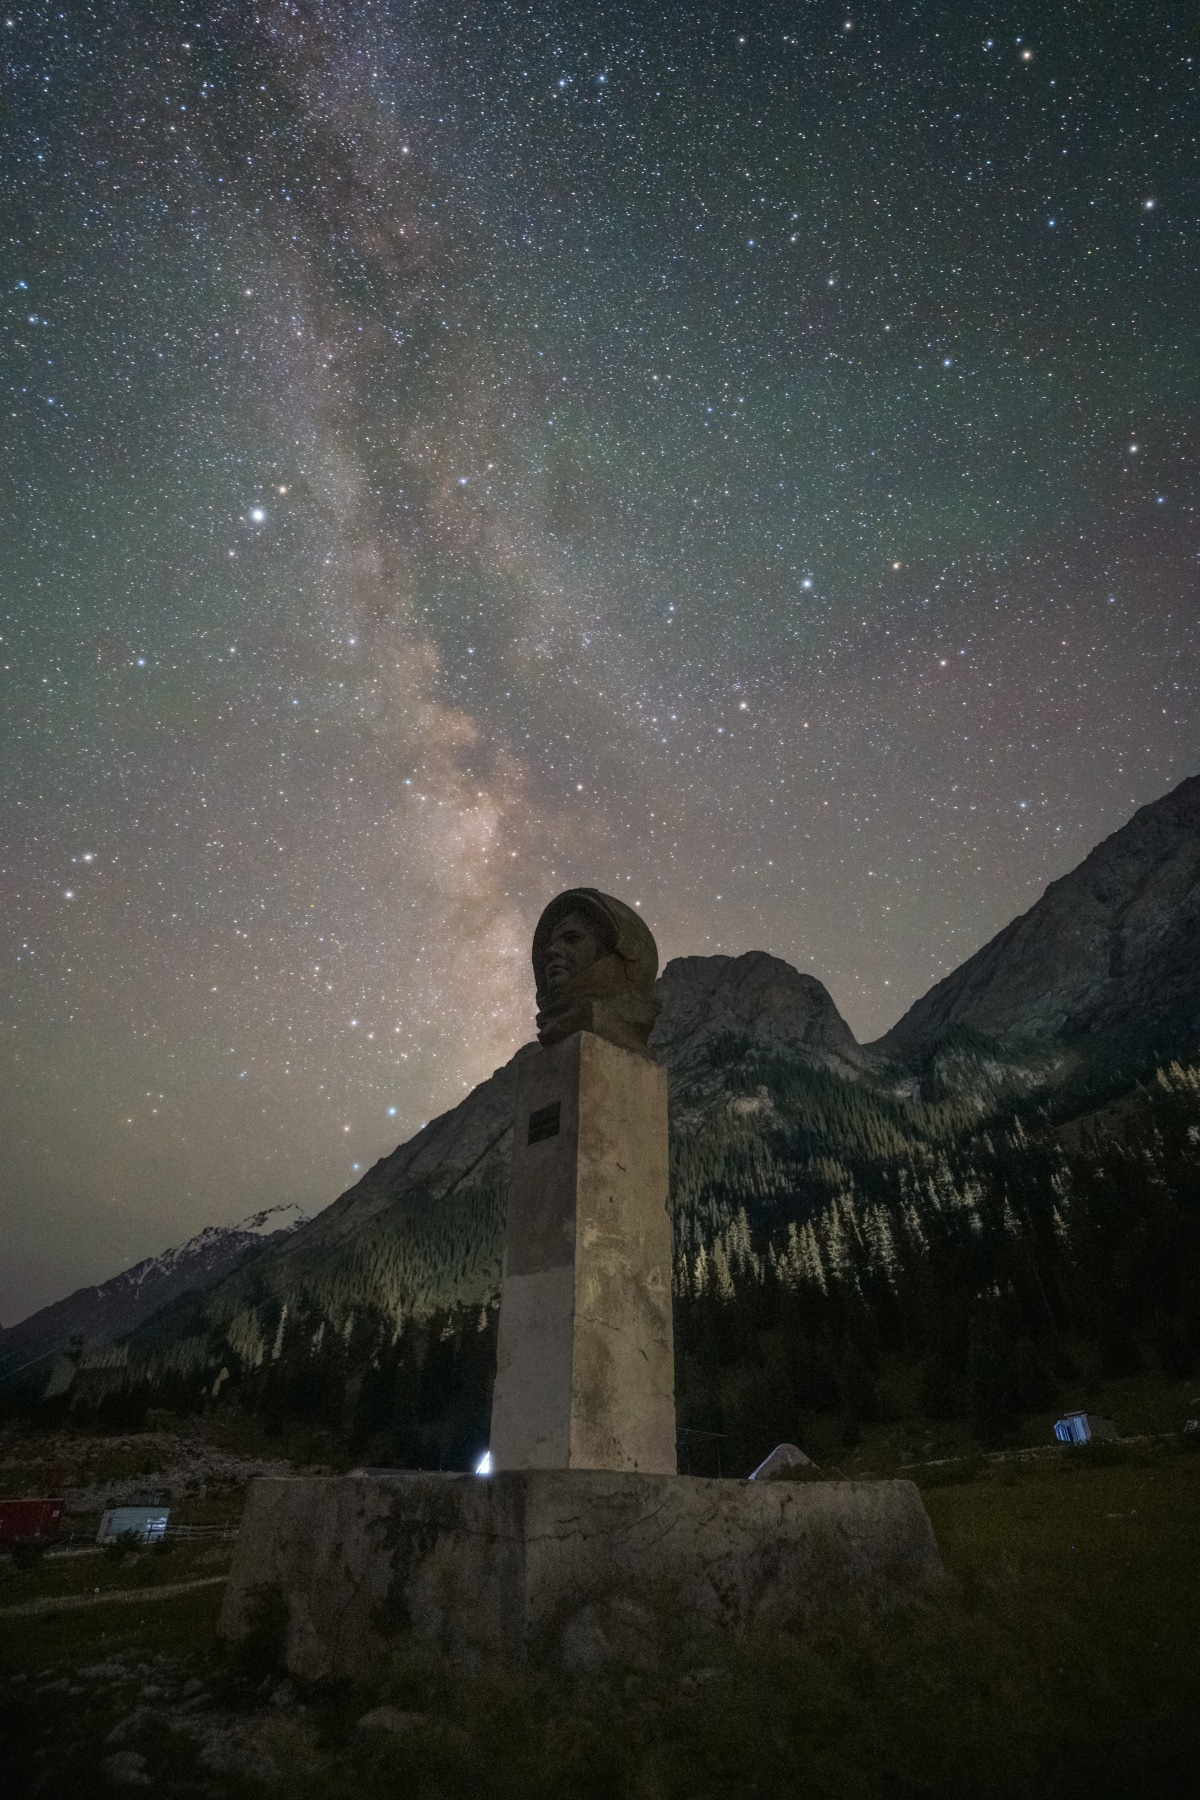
x=72, y=1602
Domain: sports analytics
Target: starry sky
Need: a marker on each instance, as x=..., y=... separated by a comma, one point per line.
x=739, y=457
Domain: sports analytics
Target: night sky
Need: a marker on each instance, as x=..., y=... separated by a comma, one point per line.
x=741, y=458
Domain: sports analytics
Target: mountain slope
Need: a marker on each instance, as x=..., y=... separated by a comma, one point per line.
x=422, y=1231
x=114, y=1308
x=1113, y=947
x=797, y=1156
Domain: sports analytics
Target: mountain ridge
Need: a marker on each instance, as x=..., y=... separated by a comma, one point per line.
x=99, y=1313
x=1112, y=944
x=783, y=1127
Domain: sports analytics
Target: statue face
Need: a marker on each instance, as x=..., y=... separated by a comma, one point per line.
x=572, y=947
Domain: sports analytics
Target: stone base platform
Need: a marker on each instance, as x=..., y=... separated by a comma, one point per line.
x=572, y=1565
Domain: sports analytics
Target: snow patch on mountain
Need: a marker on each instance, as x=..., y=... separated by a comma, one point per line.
x=214, y=1242
x=112, y=1308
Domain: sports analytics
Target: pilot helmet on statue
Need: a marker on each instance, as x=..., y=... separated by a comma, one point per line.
x=594, y=961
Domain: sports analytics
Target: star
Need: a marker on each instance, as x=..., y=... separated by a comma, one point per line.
x=468, y=333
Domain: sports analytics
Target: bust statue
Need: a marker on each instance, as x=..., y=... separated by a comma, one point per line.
x=594, y=961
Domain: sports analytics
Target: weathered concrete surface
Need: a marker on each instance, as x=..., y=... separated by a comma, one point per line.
x=585, y=1364
x=554, y=1563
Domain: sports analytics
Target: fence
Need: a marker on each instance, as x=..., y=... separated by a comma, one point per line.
x=222, y=1532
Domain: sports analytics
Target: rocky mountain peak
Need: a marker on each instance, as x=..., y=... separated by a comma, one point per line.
x=1112, y=947
x=756, y=996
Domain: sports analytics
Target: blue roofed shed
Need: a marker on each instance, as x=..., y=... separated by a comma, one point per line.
x=1082, y=1427
x=145, y=1524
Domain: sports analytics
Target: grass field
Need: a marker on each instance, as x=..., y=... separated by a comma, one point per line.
x=1060, y=1659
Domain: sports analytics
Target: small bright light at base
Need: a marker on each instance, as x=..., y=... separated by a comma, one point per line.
x=484, y=1465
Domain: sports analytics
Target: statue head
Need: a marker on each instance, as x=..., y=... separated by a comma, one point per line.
x=594, y=961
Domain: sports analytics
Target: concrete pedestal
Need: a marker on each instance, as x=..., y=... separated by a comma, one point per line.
x=571, y=1565
x=585, y=1368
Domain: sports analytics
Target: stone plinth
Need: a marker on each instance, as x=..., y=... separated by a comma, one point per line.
x=585, y=1370
x=554, y=1563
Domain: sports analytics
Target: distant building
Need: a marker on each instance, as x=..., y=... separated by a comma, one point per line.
x=142, y=1523
x=62, y=1375
x=1081, y=1428
x=78, y=1371
x=31, y=1521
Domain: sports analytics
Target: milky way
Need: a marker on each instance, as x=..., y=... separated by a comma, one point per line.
x=734, y=457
